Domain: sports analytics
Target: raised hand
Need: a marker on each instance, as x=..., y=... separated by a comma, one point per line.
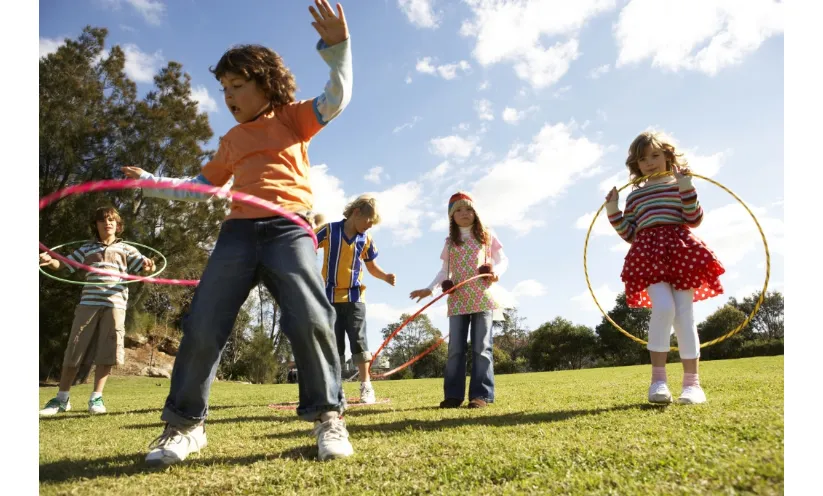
x=331, y=28
x=613, y=196
x=132, y=172
x=391, y=279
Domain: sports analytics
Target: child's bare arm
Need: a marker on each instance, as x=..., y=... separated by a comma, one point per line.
x=377, y=272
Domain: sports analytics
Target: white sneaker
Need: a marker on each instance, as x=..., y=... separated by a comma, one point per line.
x=659, y=393
x=366, y=393
x=55, y=406
x=692, y=395
x=175, y=444
x=332, y=439
x=96, y=406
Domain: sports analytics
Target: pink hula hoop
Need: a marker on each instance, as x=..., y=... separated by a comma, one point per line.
x=118, y=184
x=430, y=348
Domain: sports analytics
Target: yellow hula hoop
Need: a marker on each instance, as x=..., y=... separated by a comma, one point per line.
x=762, y=236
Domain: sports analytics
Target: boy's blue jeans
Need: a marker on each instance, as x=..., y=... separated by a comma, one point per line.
x=282, y=255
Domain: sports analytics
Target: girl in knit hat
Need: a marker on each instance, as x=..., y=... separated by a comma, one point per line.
x=470, y=249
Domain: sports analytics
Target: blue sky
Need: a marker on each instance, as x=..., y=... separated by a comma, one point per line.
x=530, y=105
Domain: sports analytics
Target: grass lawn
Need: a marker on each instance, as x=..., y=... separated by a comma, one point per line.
x=574, y=432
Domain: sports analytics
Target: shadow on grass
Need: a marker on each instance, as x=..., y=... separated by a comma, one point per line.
x=126, y=465
x=79, y=413
x=227, y=420
x=485, y=417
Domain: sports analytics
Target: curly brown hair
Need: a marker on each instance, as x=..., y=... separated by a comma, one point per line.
x=478, y=230
x=264, y=66
x=103, y=213
x=657, y=140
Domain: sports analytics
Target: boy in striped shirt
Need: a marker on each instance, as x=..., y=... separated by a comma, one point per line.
x=98, y=329
x=347, y=248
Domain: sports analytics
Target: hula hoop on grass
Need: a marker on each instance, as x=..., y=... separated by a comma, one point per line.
x=83, y=283
x=430, y=348
x=118, y=184
x=762, y=235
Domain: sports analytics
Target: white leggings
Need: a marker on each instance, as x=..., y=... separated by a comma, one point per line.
x=672, y=308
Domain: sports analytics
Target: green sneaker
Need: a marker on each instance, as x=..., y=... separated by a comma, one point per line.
x=96, y=406
x=55, y=406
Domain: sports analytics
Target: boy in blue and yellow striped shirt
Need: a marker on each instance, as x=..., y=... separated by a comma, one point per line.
x=347, y=249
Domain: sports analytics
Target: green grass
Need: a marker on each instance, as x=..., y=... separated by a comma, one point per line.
x=575, y=432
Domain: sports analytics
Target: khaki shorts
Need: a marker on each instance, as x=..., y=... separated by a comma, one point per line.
x=96, y=337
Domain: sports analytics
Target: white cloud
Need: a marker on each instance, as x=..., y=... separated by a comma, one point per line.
x=512, y=31
x=151, y=10
x=454, y=146
x=731, y=233
x=560, y=92
x=483, y=86
x=408, y=79
x=484, y=110
x=407, y=125
x=440, y=225
x=438, y=172
x=531, y=174
x=49, y=45
x=329, y=197
x=374, y=175
x=614, y=181
x=399, y=211
x=512, y=115
x=705, y=165
x=205, y=102
x=446, y=71
x=706, y=37
x=420, y=13
x=601, y=228
x=141, y=66
x=599, y=71
x=605, y=296
x=529, y=289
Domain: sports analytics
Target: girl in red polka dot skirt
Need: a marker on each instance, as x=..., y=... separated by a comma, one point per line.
x=667, y=268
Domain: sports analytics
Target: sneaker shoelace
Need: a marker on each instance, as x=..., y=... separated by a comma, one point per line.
x=335, y=431
x=166, y=438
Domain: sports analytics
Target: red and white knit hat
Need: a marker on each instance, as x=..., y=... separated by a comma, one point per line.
x=460, y=199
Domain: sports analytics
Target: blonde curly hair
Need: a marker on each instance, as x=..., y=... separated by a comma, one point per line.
x=367, y=205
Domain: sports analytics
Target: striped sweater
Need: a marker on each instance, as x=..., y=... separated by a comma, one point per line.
x=656, y=205
x=116, y=257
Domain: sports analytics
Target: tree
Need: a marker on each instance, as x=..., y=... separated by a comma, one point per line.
x=433, y=364
x=718, y=324
x=405, y=345
x=768, y=321
x=561, y=345
x=616, y=348
x=91, y=123
x=511, y=335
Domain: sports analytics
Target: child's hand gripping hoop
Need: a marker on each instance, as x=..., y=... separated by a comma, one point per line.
x=762, y=235
x=430, y=348
x=118, y=184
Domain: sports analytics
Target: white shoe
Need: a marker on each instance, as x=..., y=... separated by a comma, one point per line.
x=332, y=439
x=96, y=406
x=55, y=406
x=366, y=393
x=175, y=444
x=692, y=395
x=659, y=393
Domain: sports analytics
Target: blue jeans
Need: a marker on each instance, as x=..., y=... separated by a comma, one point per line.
x=351, y=322
x=280, y=254
x=481, y=384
